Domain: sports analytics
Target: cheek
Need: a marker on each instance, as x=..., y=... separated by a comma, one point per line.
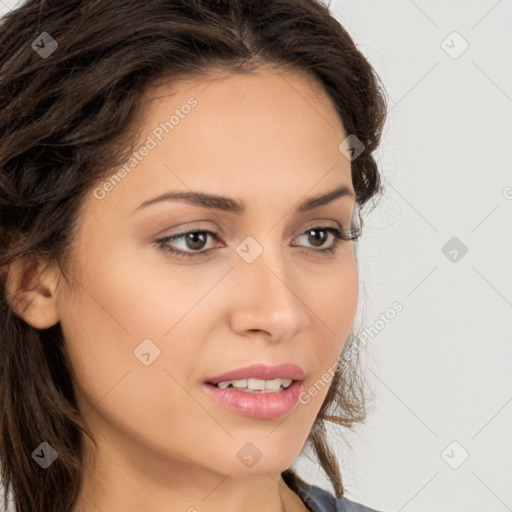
x=119, y=302
x=332, y=296
x=129, y=294
x=336, y=302
x=114, y=386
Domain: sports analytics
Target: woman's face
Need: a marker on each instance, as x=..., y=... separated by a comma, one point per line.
x=145, y=328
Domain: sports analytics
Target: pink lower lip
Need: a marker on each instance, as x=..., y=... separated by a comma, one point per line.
x=257, y=405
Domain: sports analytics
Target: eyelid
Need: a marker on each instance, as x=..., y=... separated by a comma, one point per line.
x=318, y=223
x=187, y=228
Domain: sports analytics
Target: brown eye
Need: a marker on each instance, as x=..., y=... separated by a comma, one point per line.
x=193, y=242
x=319, y=236
x=196, y=240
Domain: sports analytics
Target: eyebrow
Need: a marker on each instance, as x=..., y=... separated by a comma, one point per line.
x=231, y=205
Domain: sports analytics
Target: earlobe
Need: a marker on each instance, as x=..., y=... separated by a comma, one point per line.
x=31, y=287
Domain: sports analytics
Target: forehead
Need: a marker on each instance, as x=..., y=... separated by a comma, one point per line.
x=237, y=135
x=254, y=93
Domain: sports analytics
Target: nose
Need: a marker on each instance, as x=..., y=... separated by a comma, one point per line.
x=269, y=298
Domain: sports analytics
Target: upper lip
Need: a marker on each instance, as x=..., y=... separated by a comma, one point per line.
x=261, y=371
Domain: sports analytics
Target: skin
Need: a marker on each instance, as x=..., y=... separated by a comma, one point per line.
x=269, y=140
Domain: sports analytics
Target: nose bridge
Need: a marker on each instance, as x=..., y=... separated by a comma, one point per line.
x=270, y=273
x=266, y=298
x=266, y=266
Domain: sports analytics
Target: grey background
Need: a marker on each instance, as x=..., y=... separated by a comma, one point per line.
x=441, y=368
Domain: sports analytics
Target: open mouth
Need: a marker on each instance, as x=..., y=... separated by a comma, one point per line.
x=253, y=399
x=254, y=385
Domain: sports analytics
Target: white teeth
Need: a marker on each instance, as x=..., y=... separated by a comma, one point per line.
x=272, y=385
x=264, y=386
x=257, y=384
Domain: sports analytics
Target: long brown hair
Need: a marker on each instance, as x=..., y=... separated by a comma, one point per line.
x=70, y=116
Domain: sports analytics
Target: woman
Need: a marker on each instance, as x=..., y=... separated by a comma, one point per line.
x=181, y=184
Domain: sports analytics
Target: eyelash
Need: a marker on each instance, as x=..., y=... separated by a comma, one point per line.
x=339, y=236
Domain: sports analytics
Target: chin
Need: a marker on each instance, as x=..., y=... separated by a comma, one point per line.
x=251, y=461
x=259, y=469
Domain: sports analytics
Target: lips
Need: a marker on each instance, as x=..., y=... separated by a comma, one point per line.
x=261, y=371
x=258, y=405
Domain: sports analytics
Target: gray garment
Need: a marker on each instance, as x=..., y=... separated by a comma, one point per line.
x=318, y=500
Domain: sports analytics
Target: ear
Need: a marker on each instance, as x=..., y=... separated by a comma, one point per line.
x=31, y=287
